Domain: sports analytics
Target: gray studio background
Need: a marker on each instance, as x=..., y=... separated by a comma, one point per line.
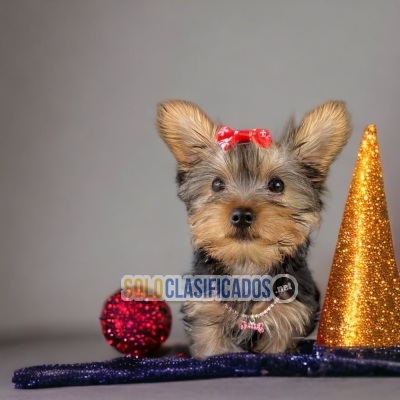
x=87, y=188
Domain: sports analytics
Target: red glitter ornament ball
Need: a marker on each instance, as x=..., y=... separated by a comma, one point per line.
x=135, y=327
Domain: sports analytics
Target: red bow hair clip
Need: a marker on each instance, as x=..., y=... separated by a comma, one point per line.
x=227, y=137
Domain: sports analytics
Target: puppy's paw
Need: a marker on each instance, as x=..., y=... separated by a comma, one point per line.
x=201, y=352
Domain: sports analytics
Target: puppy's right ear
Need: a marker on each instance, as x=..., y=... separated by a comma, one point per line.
x=186, y=130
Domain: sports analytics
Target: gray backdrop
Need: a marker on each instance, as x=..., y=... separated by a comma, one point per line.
x=87, y=188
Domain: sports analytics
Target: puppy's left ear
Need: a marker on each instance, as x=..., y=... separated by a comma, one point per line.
x=320, y=137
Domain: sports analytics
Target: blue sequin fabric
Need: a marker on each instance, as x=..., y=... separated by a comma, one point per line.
x=307, y=361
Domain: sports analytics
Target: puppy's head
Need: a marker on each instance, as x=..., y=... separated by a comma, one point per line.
x=252, y=204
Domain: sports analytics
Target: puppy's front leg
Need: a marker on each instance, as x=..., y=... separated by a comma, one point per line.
x=283, y=325
x=207, y=330
x=209, y=341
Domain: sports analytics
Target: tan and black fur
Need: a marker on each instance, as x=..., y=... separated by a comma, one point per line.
x=277, y=241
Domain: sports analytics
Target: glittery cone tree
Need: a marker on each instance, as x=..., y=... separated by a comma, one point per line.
x=362, y=303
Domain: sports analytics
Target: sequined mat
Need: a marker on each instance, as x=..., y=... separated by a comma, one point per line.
x=307, y=361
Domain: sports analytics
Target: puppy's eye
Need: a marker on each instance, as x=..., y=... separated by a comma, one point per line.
x=218, y=185
x=276, y=185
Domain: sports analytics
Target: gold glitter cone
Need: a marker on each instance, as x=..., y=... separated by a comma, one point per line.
x=362, y=303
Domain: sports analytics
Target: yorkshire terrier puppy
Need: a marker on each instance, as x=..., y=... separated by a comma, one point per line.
x=252, y=205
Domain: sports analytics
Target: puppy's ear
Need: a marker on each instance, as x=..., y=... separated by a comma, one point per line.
x=319, y=139
x=186, y=130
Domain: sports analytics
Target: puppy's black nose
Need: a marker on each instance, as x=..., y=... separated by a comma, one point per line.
x=242, y=217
